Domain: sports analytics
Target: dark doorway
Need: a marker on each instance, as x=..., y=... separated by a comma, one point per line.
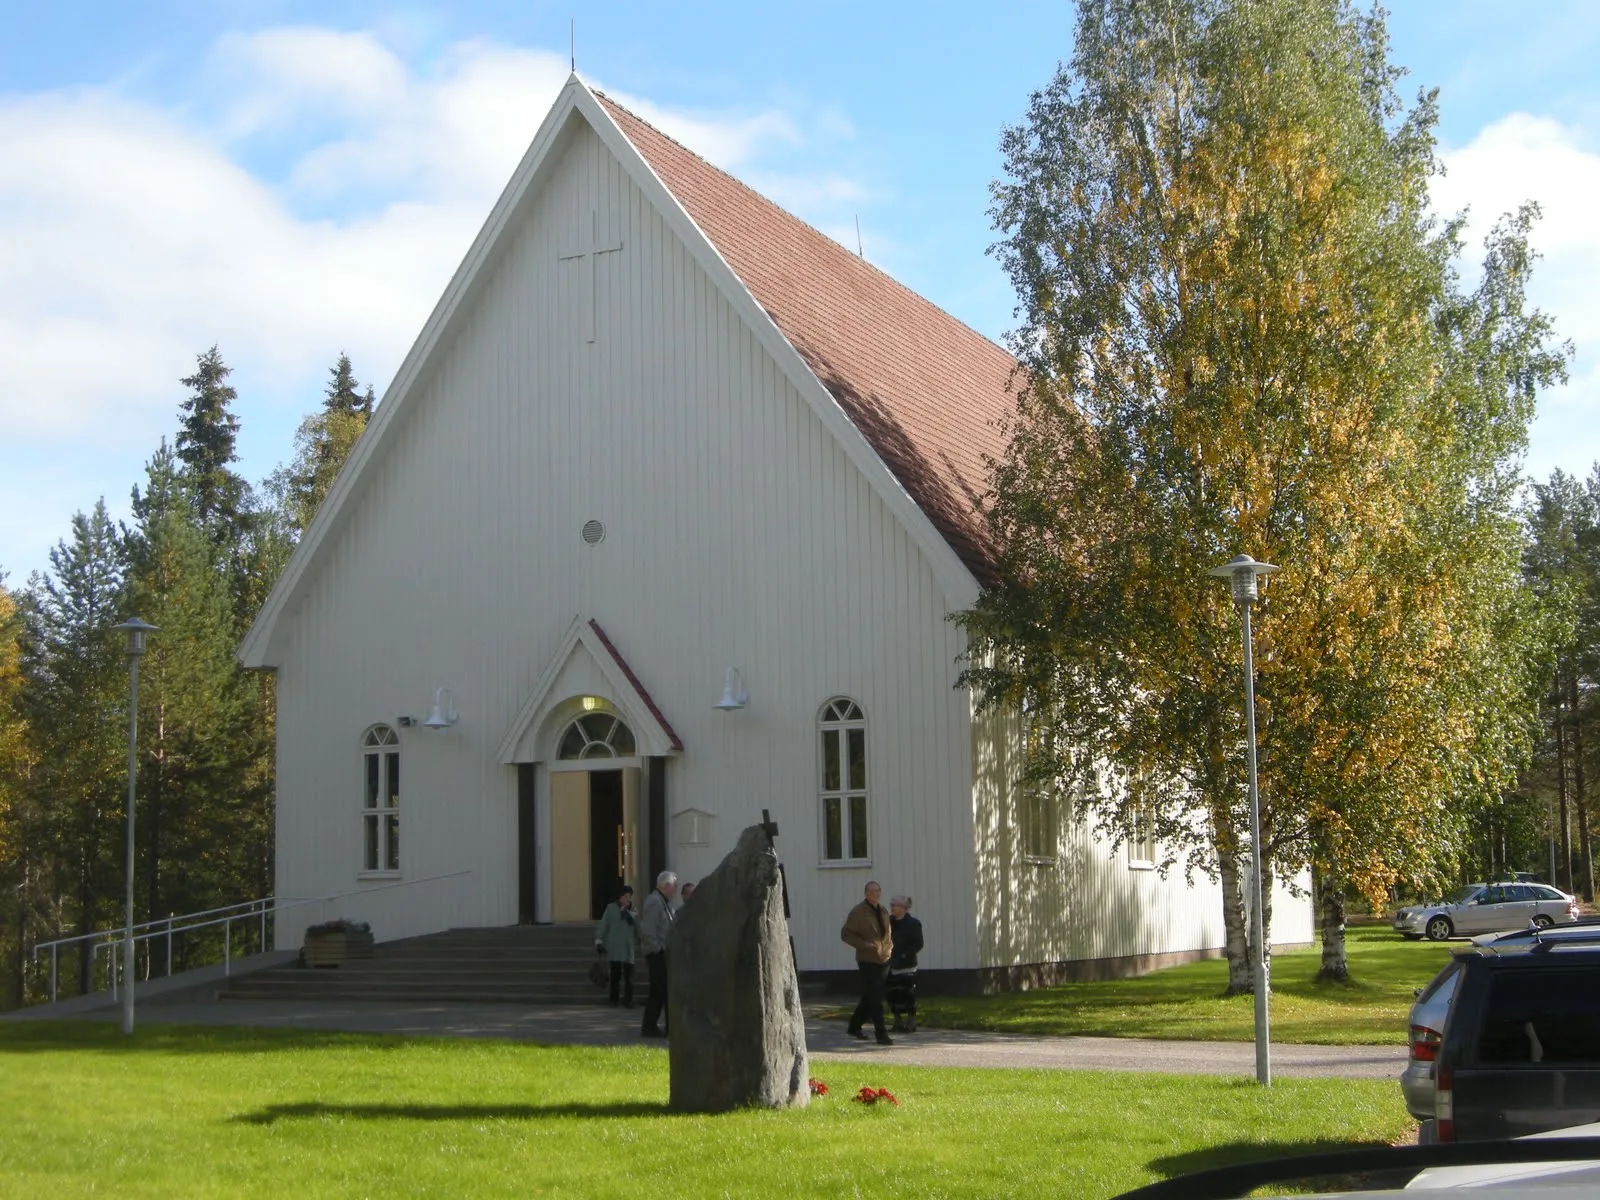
x=605, y=839
x=527, y=846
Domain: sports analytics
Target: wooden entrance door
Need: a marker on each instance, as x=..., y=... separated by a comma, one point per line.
x=569, y=846
x=594, y=832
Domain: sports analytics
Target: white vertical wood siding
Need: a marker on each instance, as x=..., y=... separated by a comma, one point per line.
x=737, y=534
x=1088, y=902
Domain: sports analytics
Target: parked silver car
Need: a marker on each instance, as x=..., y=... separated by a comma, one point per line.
x=1487, y=908
x=1425, y=1029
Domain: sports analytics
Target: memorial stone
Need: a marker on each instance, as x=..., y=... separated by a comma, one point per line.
x=737, y=1033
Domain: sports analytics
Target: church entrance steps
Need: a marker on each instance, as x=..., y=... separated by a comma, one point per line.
x=518, y=964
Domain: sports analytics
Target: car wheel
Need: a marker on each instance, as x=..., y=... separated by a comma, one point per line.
x=1543, y=922
x=1439, y=928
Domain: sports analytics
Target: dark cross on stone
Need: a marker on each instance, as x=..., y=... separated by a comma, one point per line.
x=770, y=827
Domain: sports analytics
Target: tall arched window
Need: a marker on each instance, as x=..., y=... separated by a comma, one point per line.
x=843, y=736
x=380, y=809
x=596, y=735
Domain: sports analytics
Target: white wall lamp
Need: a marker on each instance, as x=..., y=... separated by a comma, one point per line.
x=443, y=714
x=734, y=697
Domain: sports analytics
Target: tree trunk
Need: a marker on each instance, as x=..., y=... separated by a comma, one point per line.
x=1266, y=917
x=1328, y=891
x=1585, y=860
x=1564, y=863
x=1236, y=939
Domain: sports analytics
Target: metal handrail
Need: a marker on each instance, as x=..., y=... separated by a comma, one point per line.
x=167, y=926
x=163, y=921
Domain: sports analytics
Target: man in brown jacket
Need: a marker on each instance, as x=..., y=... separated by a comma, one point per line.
x=867, y=931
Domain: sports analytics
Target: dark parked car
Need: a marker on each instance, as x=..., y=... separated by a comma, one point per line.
x=1520, y=1052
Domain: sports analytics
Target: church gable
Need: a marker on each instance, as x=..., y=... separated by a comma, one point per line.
x=554, y=258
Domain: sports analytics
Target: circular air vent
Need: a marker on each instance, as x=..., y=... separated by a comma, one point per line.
x=594, y=532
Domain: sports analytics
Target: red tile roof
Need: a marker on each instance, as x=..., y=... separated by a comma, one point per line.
x=926, y=391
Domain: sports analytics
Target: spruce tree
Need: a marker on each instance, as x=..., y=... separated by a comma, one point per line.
x=196, y=706
x=323, y=444
x=207, y=433
x=344, y=393
x=74, y=696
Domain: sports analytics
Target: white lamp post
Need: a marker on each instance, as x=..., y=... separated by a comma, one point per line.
x=1241, y=570
x=136, y=631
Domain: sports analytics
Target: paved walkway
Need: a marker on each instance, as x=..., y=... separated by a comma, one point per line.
x=603, y=1026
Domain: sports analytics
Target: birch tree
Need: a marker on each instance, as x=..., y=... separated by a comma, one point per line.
x=1241, y=329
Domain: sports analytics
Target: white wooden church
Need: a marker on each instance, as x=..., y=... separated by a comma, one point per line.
x=659, y=526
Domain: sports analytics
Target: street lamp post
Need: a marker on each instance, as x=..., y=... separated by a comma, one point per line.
x=136, y=631
x=1241, y=570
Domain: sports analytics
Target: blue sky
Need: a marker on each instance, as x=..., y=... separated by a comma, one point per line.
x=290, y=180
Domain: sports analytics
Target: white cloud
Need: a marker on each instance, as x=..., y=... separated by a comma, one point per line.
x=1513, y=160
x=311, y=195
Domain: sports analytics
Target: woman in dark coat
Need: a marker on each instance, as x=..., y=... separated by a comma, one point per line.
x=902, y=983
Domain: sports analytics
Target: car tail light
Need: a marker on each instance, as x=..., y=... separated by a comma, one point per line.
x=1424, y=1043
x=1444, y=1104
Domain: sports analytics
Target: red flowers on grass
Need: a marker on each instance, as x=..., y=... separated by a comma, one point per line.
x=869, y=1095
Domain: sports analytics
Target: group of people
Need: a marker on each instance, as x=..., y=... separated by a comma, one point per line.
x=623, y=935
x=886, y=944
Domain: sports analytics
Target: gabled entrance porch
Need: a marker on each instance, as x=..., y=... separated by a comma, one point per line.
x=592, y=753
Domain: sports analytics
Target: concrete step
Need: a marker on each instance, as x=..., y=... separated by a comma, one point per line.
x=526, y=964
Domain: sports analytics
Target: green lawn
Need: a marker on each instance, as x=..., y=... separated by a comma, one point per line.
x=1187, y=1002
x=243, y=1113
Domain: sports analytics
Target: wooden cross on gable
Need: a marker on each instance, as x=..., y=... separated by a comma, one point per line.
x=589, y=252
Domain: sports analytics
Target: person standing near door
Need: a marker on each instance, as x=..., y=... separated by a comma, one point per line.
x=616, y=939
x=655, y=926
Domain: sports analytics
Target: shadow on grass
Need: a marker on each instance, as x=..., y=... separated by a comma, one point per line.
x=313, y=1110
x=1230, y=1153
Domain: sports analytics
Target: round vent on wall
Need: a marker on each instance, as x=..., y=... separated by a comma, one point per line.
x=594, y=532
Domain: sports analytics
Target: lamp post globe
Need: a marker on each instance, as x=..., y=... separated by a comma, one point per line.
x=137, y=631
x=1242, y=573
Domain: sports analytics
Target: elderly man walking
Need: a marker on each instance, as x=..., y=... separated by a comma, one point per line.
x=867, y=931
x=655, y=924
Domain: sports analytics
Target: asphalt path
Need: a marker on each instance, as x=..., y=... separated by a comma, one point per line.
x=600, y=1025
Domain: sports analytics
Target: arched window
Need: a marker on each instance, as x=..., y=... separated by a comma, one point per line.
x=596, y=735
x=843, y=734
x=380, y=809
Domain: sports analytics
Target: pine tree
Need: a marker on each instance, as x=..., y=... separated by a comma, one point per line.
x=207, y=432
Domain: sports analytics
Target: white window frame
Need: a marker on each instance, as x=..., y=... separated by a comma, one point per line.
x=606, y=738
x=1037, y=804
x=1141, y=840
x=838, y=719
x=380, y=803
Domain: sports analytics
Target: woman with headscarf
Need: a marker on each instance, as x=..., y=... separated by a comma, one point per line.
x=901, y=991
